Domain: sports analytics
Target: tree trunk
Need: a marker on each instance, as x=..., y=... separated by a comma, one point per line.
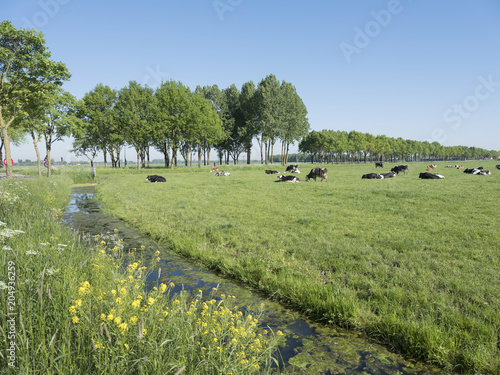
x=138, y=158
x=8, y=158
x=38, y=162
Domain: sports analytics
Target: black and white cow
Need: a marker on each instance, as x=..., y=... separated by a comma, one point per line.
x=318, y=172
x=372, y=176
x=400, y=168
x=271, y=172
x=389, y=174
x=432, y=176
x=478, y=170
x=155, y=178
x=498, y=166
x=222, y=173
x=284, y=178
x=292, y=167
x=379, y=164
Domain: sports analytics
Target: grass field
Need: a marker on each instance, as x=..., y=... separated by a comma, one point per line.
x=412, y=263
x=70, y=306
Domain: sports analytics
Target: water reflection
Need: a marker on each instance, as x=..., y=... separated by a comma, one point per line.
x=310, y=348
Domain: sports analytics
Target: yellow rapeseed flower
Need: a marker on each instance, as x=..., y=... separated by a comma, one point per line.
x=110, y=316
x=72, y=310
x=133, y=319
x=103, y=316
x=126, y=346
x=151, y=300
x=163, y=287
x=123, y=327
x=118, y=300
x=113, y=292
x=118, y=320
x=75, y=319
x=136, y=304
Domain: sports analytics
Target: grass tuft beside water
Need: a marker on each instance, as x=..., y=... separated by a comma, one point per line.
x=412, y=263
x=72, y=305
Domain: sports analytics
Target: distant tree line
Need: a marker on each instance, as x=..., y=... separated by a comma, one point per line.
x=329, y=146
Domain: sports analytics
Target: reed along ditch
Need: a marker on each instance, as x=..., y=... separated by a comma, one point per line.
x=310, y=348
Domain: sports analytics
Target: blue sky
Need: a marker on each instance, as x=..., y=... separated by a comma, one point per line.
x=416, y=69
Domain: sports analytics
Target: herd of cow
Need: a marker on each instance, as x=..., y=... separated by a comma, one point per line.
x=323, y=173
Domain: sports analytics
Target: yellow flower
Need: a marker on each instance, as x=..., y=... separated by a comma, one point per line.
x=163, y=287
x=126, y=346
x=78, y=302
x=72, y=310
x=136, y=304
x=151, y=300
x=118, y=300
x=172, y=284
x=144, y=331
x=118, y=320
x=103, y=316
x=133, y=320
x=75, y=319
x=123, y=327
x=113, y=292
x=123, y=290
x=110, y=316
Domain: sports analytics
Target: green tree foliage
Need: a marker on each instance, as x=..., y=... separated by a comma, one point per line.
x=26, y=70
x=135, y=110
x=99, y=125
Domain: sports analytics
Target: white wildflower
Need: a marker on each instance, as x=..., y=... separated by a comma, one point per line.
x=3, y=285
x=6, y=248
x=31, y=252
x=44, y=243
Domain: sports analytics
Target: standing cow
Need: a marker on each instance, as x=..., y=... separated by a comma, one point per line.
x=318, y=172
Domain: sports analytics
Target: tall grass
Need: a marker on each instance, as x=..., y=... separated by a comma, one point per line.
x=413, y=263
x=71, y=306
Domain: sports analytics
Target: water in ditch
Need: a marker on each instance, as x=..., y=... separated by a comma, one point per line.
x=310, y=348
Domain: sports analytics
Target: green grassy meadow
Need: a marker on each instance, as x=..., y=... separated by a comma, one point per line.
x=411, y=263
x=74, y=305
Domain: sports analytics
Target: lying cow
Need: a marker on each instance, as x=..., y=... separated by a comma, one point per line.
x=389, y=175
x=222, y=173
x=318, y=172
x=379, y=164
x=478, y=170
x=431, y=176
x=283, y=178
x=400, y=168
x=498, y=166
x=271, y=172
x=372, y=176
x=155, y=178
x=292, y=167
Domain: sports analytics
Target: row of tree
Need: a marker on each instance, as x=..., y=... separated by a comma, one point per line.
x=340, y=146
x=173, y=120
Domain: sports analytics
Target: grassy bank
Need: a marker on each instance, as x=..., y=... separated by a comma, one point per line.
x=71, y=306
x=412, y=263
